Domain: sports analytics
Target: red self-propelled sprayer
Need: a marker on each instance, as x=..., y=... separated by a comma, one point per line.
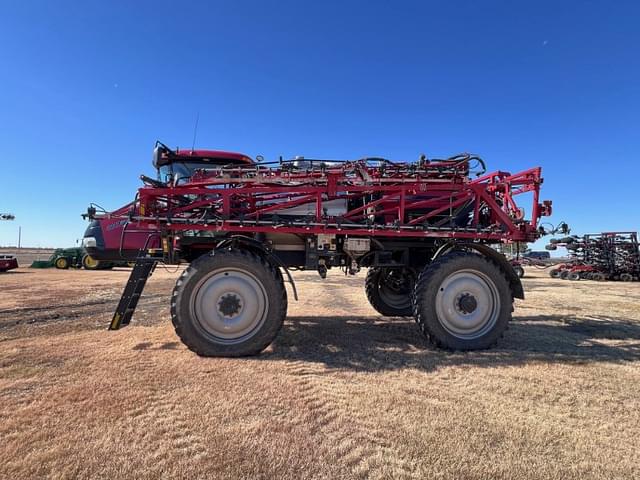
x=422, y=229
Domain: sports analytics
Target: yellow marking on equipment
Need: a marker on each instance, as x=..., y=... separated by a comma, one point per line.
x=115, y=321
x=142, y=209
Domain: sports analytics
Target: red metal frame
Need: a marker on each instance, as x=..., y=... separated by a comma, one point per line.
x=604, y=253
x=394, y=200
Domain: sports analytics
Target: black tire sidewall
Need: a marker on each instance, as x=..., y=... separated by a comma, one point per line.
x=192, y=334
x=372, y=290
x=429, y=284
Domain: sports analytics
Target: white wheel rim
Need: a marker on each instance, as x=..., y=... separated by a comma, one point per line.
x=467, y=304
x=229, y=305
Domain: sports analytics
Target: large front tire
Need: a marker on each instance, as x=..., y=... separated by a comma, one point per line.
x=463, y=302
x=389, y=291
x=231, y=303
x=61, y=263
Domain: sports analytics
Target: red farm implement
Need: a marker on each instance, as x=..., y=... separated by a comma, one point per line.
x=423, y=230
x=601, y=256
x=8, y=262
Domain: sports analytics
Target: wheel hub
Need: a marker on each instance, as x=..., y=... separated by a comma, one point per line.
x=467, y=303
x=229, y=305
x=396, y=282
x=395, y=287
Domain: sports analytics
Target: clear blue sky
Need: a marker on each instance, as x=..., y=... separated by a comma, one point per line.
x=87, y=87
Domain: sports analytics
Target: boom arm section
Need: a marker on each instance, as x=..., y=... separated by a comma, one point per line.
x=390, y=200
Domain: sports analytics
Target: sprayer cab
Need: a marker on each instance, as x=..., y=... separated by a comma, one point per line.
x=177, y=166
x=116, y=235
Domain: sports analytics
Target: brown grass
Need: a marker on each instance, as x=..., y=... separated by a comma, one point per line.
x=342, y=393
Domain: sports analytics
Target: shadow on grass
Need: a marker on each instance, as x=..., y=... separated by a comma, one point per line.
x=162, y=346
x=375, y=343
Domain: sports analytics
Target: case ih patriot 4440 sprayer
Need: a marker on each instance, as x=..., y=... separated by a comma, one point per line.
x=423, y=229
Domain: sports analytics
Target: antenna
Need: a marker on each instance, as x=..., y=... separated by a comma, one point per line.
x=195, y=131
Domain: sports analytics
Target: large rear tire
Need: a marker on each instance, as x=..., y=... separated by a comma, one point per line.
x=89, y=263
x=389, y=291
x=463, y=302
x=61, y=263
x=231, y=303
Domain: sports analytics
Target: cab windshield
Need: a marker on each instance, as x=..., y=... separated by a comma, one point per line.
x=182, y=171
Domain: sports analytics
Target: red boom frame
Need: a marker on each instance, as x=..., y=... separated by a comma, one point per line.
x=390, y=200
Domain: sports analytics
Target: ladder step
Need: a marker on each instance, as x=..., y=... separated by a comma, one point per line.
x=132, y=293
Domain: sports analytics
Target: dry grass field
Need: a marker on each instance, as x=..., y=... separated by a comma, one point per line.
x=342, y=393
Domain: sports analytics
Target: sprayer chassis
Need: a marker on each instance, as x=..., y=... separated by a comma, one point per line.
x=423, y=231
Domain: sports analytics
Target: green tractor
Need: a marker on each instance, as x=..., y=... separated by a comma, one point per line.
x=77, y=257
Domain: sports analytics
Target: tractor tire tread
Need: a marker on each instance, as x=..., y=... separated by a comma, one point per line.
x=422, y=283
x=205, y=350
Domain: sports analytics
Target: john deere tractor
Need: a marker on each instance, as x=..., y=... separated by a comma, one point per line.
x=77, y=257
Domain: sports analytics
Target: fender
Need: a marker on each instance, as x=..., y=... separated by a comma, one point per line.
x=514, y=281
x=260, y=249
